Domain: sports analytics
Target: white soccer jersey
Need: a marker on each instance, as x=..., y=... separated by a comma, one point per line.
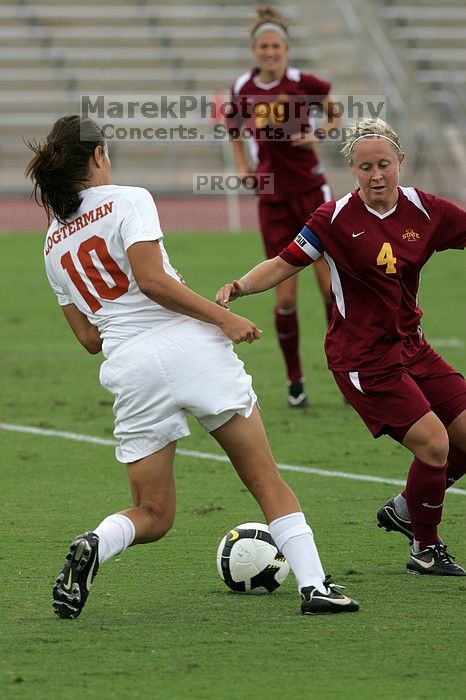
x=87, y=265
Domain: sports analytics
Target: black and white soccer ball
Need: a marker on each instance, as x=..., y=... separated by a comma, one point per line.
x=248, y=560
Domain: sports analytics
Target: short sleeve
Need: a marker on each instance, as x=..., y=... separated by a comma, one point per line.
x=314, y=85
x=62, y=296
x=140, y=219
x=305, y=249
x=451, y=231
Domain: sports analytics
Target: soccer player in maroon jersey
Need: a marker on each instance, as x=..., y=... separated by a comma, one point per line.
x=273, y=111
x=376, y=241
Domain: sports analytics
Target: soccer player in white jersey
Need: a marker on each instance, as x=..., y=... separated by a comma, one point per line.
x=376, y=240
x=168, y=351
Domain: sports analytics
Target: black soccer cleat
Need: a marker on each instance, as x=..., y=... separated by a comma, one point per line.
x=297, y=397
x=316, y=603
x=434, y=561
x=73, y=583
x=388, y=518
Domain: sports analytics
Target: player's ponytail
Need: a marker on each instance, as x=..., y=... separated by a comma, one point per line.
x=59, y=168
x=268, y=19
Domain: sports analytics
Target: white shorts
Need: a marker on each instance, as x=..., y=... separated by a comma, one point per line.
x=186, y=365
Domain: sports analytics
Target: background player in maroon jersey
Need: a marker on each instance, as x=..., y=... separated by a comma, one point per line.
x=274, y=120
x=376, y=241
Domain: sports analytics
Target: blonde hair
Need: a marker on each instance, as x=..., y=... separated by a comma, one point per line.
x=268, y=19
x=367, y=128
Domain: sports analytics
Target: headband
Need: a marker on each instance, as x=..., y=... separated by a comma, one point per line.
x=269, y=27
x=381, y=136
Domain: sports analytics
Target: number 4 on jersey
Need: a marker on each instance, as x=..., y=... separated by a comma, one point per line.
x=386, y=257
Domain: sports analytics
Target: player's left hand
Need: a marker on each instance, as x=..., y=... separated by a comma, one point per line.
x=240, y=329
x=305, y=141
x=228, y=293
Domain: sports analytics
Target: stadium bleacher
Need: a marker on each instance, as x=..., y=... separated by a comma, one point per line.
x=432, y=39
x=53, y=52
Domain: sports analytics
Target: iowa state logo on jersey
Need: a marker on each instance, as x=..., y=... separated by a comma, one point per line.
x=410, y=235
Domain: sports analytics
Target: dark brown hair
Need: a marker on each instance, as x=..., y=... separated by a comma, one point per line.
x=60, y=165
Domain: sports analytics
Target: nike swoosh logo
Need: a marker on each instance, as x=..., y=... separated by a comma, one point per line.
x=338, y=601
x=428, y=505
x=425, y=564
x=67, y=585
x=355, y=235
x=89, y=576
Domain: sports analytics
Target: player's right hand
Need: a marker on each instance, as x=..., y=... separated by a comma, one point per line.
x=240, y=329
x=228, y=293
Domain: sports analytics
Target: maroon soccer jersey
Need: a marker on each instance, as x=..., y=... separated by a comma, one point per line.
x=266, y=115
x=375, y=262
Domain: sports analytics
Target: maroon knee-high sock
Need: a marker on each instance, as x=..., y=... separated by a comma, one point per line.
x=286, y=324
x=425, y=491
x=456, y=467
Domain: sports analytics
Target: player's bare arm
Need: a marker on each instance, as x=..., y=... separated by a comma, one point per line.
x=243, y=167
x=334, y=121
x=147, y=265
x=87, y=334
x=264, y=276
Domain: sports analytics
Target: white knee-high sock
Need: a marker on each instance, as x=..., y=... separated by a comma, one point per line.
x=294, y=538
x=115, y=534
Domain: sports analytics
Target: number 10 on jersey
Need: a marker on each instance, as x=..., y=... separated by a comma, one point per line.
x=98, y=246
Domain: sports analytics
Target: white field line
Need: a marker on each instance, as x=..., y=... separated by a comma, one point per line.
x=447, y=342
x=208, y=455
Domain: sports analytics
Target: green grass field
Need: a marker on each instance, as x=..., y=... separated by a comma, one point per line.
x=159, y=622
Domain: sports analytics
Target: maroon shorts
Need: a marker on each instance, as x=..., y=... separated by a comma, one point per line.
x=281, y=221
x=391, y=401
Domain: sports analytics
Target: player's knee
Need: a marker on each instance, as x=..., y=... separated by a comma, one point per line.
x=428, y=440
x=286, y=306
x=265, y=483
x=437, y=451
x=161, y=519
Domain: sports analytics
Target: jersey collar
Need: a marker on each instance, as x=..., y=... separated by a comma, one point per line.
x=373, y=211
x=266, y=86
